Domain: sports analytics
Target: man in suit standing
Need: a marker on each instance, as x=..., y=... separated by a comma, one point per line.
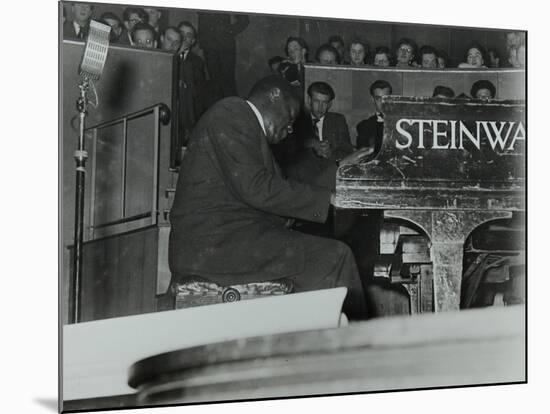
x=80, y=25
x=370, y=131
x=232, y=203
x=217, y=33
x=322, y=138
x=191, y=80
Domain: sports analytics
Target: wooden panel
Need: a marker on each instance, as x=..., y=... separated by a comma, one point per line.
x=108, y=176
x=139, y=166
x=132, y=80
x=120, y=275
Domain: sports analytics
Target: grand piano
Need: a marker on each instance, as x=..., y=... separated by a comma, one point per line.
x=446, y=167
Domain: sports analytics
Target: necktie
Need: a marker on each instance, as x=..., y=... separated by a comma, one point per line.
x=315, y=121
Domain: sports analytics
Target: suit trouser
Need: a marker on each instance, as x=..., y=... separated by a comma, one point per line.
x=328, y=264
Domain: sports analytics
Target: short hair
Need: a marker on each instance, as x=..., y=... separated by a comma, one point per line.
x=379, y=50
x=188, y=24
x=380, y=84
x=407, y=41
x=296, y=39
x=110, y=15
x=427, y=50
x=336, y=39
x=142, y=26
x=443, y=55
x=135, y=10
x=327, y=48
x=262, y=88
x=321, y=87
x=483, y=84
x=357, y=40
x=175, y=29
x=444, y=90
x=478, y=47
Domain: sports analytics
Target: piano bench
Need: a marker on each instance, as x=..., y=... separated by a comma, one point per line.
x=192, y=292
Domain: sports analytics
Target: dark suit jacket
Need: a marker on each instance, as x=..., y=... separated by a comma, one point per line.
x=370, y=133
x=70, y=33
x=305, y=165
x=228, y=217
x=191, y=80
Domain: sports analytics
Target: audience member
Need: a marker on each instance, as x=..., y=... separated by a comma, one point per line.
x=293, y=68
x=427, y=57
x=494, y=58
x=370, y=131
x=217, y=33
x=153, y=19
x=337, y=42
x=327, y=55
x=80, y=25
x=324, y=139
x=143, y=36
x=443, y=92
x=131, y=16
x=382, y=56
x=116, y=26
x=475, y=57
x=483, y=89
x=405, y=53
x=171, y=39
x=192, y=81
x=442, y=59
x=358, y=52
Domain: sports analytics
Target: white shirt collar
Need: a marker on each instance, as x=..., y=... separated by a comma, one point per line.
x=77, y=28
x=258, y=115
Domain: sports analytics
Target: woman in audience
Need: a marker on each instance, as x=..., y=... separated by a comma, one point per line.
x=292, y=69
x=358, y=52
x=405, y=53
x=442, y=59
x=327, y=55
x=475, y=57
x=382, y=56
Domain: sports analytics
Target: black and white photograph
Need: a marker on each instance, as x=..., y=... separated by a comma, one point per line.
x=257, y=206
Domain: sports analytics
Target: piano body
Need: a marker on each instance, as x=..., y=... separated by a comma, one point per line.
x=448, y=166
x=470, y=174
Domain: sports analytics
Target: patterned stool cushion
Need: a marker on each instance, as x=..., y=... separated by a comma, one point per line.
x=199, y=292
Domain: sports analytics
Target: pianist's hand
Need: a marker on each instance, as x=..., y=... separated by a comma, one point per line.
x=321, y=149
x=355, y=158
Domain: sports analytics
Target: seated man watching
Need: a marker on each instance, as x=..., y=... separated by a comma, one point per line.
x=231, y=203
x=323, y=139
x=483, y=89
x=370, y=131
x=441, y=91
x=143, y=36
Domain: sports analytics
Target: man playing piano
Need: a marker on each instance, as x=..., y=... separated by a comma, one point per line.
x=232, y=203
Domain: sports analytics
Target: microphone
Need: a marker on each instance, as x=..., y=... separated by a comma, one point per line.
x=90, y=68
x=95, y=52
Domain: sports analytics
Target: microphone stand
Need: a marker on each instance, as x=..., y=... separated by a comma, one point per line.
x=80, y=156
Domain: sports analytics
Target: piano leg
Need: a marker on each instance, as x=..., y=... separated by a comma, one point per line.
x=447, y=230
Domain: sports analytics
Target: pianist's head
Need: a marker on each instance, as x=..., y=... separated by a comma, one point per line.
x=278, y=104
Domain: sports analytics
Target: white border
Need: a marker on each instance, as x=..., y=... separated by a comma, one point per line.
x=29, y=209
